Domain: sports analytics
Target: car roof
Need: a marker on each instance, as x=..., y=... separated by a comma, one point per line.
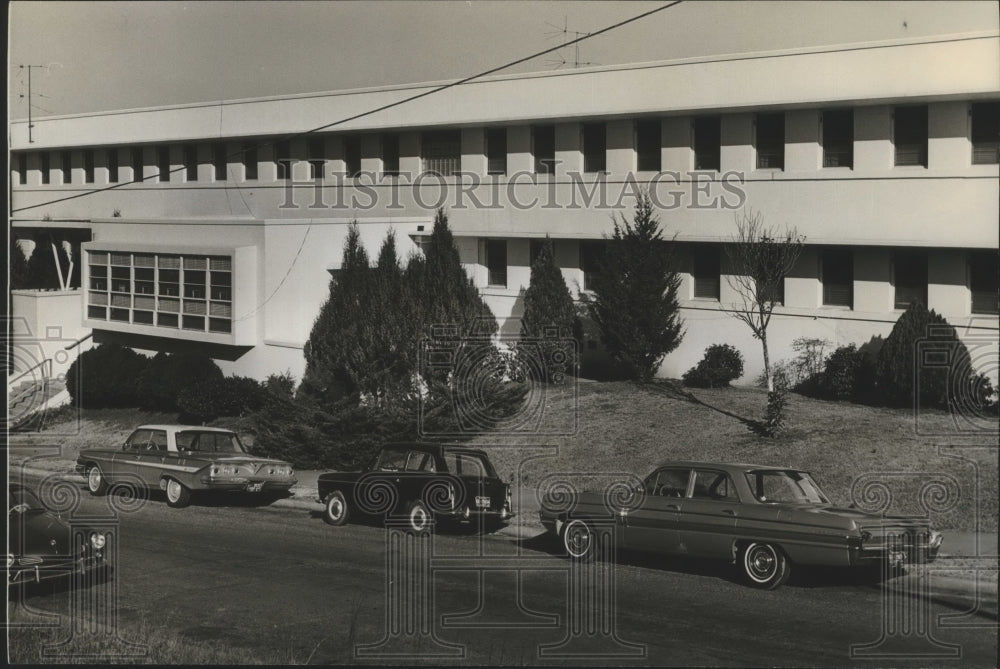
x=435, y=448
x=728, y=466
x=180, y=428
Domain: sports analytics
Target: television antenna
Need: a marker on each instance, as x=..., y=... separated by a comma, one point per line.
x=566, y=33
x=31, y=125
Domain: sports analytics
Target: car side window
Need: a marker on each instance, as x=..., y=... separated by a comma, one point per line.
x=186, y=441
x=416, y=461
x=392, y=461
x=710, y=484
x=138, y=440
x=671, y=483
x=158, y=441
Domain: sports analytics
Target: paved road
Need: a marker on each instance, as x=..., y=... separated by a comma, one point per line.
x=268, y=578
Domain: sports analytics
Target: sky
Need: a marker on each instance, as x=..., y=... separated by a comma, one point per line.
x=118, y=55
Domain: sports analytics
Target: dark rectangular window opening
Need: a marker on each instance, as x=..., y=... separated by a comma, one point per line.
x=983, y=282
x=441, y=151
x=352, y=156
x=112, y=157
x=137, y=164
x=771, y=141
x=591, y=257
x=67, y=166
x=220, y=165
x=317, y=158
x=543, y=148
x=595, y=147
x=706, y=270
x=910, y=278
x=88, y=166
x=249, y=162
x=707, y=143
x=985, y=133
x=837, y=272
x=838, y=138
x=22, y=169
x=163, y=163
x=496, y=151
x=390, y=154
x=648, y=145
x=190, y=152
x=909, y=135
x=496, y=262
x=45, y=167
x=282, y=160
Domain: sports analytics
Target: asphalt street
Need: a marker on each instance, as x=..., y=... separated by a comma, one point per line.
x=266, y=578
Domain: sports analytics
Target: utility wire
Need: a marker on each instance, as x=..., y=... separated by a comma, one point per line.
x=405, y=100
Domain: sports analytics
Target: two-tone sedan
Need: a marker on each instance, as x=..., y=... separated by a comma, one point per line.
x=182, y=459
x=765, y=519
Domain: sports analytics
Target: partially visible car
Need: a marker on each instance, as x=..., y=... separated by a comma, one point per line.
x=422, y=484
x=764, y=519
x=41, y=546
x=181, y=460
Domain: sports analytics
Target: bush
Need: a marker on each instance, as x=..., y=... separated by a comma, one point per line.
x=105, y=377
x=226, y=396
x=840, y=375
x=774, y=417
x=281, y=385
x=167, y=374
x=720, y=365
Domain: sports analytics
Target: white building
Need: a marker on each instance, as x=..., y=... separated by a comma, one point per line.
x=884, y=155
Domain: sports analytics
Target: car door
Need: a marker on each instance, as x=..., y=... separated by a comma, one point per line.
x=124, y=463
x=707, y=519
x=653, y=526
x=149, y=461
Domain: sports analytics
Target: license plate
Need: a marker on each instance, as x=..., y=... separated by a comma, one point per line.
x=255, y=487
x=482, y=502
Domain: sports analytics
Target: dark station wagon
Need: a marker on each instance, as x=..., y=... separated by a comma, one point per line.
x=420, y=484
x=763, y=519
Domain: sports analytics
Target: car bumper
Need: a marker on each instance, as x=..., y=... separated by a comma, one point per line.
x=244, y=484
x=26, y=570
x=896, y=553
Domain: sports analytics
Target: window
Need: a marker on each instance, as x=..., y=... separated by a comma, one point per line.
x=837, y=275
x=352, y=156
x=441, y=151
x=138, y=441
x=595, y=147
x=706, y=270
x=391, y=461
x=983, y=282
x=648, y=145
x=910, y=278
x=390, y=154
x=158, y=440
x=88, y=166
x=707, y=140
x=45, y=167
x=771, y=141
x=496, y=151
x=137, y=163
x=838, y=138
x=163, y=162
x=591, y=257
x=189, y=154
x=249, y=162
x=282, y=160
x=668, y=483
x=65, y=160
x=112, y=157
x=543, y=147
x=220, y=161
x=22, y=169
x=496, y=262
x=418, y=461
x=713, y=485
x=909, y=135
x=985, y=133
x=467, y=464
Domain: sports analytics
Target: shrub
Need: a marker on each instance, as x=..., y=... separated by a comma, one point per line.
x=549, y=320
x=226, y=396
x=105, y=377
x=841, y=372
x=774, y=416
x=720, y=365
x=167, y=374
x=281, y=385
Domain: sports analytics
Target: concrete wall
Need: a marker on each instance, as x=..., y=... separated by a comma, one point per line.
x=46, y=323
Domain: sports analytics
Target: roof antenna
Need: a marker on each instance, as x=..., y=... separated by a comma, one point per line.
x=565, y=33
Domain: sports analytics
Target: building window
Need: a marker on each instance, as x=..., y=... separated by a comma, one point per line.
x=163, y=162
x=317, y=158
x=706, y=270
x=45, y=167
x=595, y=147
x=65, y=160
x=137, y=164
x=909, y=135
x=282, y=160
x=838, y=138
x=591, y=257
x=390, y=154
x=648, y=145
x=220, y=166
x=441, y=151
x=983, y=282
x=88, y=166
x=189, y=153
x=22, y=169
x=496, y=262
x=985, y=133
x=496, y=151
x=249, y=162
x=837, y=275
x=771, y=141
x=112, y=157
x=543, y=147
x=352, y=156
x=910, y=278
x=707, y=142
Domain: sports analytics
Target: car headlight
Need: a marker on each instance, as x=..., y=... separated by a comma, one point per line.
x=97, y=540
x=10, y=560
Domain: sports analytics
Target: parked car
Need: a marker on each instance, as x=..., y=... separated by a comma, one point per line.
x=41, y=546
x=420, y=483
x=182, y=459
x=765, y=519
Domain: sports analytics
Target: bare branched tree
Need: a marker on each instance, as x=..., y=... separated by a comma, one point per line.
x=760, y=258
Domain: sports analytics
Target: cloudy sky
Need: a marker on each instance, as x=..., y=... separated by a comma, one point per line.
x=114, y=55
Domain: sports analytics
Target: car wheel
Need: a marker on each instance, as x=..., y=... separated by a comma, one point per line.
x=178, y=496
x=579, y=540
x=95, y=481
x=765, y=566
x=336, y=512
x=419, y=518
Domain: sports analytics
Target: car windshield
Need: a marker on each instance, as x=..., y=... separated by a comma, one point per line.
x=774, y=486
x=209, y=442
x=468, y=464
x=23, y=500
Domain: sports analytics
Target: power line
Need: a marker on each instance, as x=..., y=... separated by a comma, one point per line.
x=376, y=110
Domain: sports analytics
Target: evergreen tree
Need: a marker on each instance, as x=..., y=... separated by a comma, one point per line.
x=635, y=294
x=19, y=267
x=549, y=320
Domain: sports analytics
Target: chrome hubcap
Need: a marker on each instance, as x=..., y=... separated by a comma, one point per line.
x=336, y=508
x=173, y=490
x=95, y=478
x=577, y=539
x=418, y=519
x=761, y=563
